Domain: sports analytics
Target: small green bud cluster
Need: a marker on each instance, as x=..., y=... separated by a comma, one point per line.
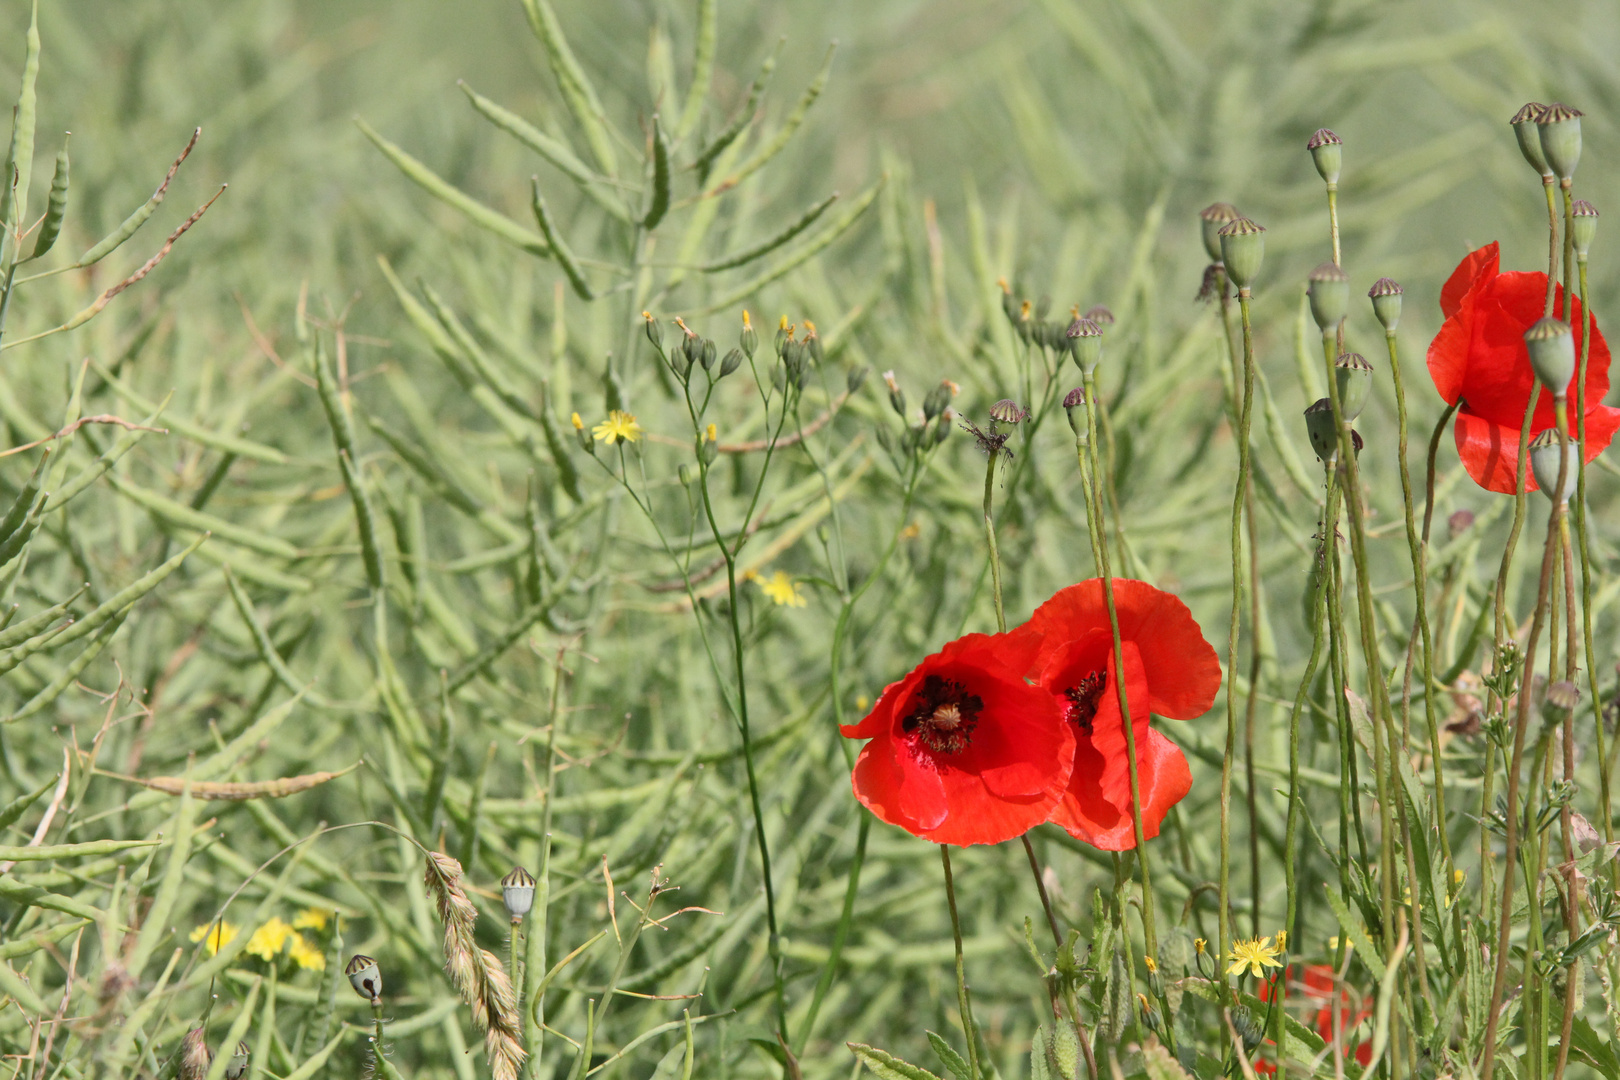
x=918, y=436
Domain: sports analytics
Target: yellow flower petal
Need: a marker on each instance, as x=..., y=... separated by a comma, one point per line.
x=783, y=590
x=219, y=935
x=306, y=955
x=312, y=919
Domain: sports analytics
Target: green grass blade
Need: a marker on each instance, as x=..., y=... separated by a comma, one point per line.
x=708, y=34
x=773, y=146
x=765, y=247
x=559, y=248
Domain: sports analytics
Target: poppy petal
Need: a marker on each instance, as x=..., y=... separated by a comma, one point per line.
x=1086, y=815
x=880, y=778
x=1489, y=451
x=1108, y=730
x=1479, y=263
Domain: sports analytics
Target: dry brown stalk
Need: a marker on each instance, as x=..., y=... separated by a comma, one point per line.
x=477, y=974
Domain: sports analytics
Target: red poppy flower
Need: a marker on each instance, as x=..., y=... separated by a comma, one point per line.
x=1170, y=671
x=963, y=750
x=1479, y=357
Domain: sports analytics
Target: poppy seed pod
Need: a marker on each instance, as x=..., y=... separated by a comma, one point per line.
x=1327, y=150
x=1527, y=130
x=1243, y=248
x=1561, y=139
x=1329, y=291
x=517, y=892
x=1544, y=464
x=1008, y=411
x=365, y=977
x=1552, y=354
x=1386, y=301
x=236, y=1067
x=1101, y=315
x=1354, y=376
x=1584, y=217
x=1319, y=426
x=1073, y=401
x=1085, y=338
x=1213, y=217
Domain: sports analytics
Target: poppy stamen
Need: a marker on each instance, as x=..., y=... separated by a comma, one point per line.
x=1082, y=699
x=944, y=715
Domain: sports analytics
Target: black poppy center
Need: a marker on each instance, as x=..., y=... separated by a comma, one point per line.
x=943, y=714
x=1080, y=700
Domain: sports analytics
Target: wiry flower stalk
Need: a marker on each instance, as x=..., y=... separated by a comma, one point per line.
x=474, y=972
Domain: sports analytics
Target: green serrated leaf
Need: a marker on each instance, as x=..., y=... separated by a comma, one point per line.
x=886, y=1066
x=953, y=1061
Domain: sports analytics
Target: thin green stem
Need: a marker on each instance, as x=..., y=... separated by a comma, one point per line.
x=990, y=536
x=1547, y=183
x=1566, y=186
x=1605, y=763
x=964, y=1002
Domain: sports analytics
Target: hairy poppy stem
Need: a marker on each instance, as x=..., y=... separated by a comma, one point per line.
x=963, y=1002
x=1547, y=182
x=1239, y=500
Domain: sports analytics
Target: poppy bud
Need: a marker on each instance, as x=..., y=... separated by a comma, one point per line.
x=856, y=378
x=1008, y=411
x=1243, y=248
x=236, y=1067
x=1327, y=150
x=749, y=339
x=1073, y=401
x=1101, y=315
x=1552, y=354
x=1528, y=132
x=937, y=399
x=1213, y=217
x=1544, y=464
x=1561, y=139
x=1086, y=338
x=1354, y=376
x=517, y=892
x=1386, y=301
x=1584, y=227
x=733, y=360
x=1329, y=291
x=365, y=977
x=1319, y=425
x=655, y=331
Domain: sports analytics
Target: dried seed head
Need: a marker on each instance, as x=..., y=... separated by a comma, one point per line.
x=1210, y=287
x=236, y=1067
x=1563, y=696
x=1329, y=292
x=1319, y=426
x=1527, y=130
x=1552, y=354
x=1544, y=458
x=1243, y=248
x=1583, y=227
x=1213, y=217
x=517, y=891
x=1459, y=522
x=1354, y=376
x=1101, y=315
x=195, y=1057
x=1073, y=402
x=1327, y=151
x=1085, y=339
x=1386, y=301
x=1560, y=128
x=1008, y=411
x=365, y=977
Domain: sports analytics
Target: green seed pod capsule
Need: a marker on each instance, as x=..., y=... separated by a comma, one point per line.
x=1327, y=150
x=1329, y=291
x=1585, y=217
x=1101, y=315
x=655, y=330
x=236, y=1067
x=1354, y=376
x=1527, y=129
x=1008, y=411
x=731, y=362
x=56, y=207
x=1213, y=217
x=749, y=340
x=1561, y=139
x=1544, y=464
x=517, y=892
x=1065, y=1050
x=1073, y=402
x=1552, y=354
x=937, y=399
x=1243, y=248
x=1319, y=425
x=365, y=977
x=856, y=378
x=1386, y=301
x=1085, y=338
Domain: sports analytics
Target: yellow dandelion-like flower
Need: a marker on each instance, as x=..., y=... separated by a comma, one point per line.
x=1151, y=964
x=218, y=934
x=1282, y=940
x=305, y=955
x=712, y=434
x=579, y=425
x=268, y=940
x=1200, y=944
x=783, y=590
x=1253, y=955
x=1333, y=943
x=312, y=919
x=619, y=425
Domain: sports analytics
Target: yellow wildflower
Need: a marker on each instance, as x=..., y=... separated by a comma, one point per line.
x=911, y=531
x=579, y=425
x=306, y=955
x=713, y=433
x=1200, y=944
x=219, y=935
x=619, y=425
x=748, y=324
x=783, y=590
x=1333, y=943
x=1282, y=940
x=268, y=940
x=1253, y=955
x=311, y=919
x=1151, y=964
